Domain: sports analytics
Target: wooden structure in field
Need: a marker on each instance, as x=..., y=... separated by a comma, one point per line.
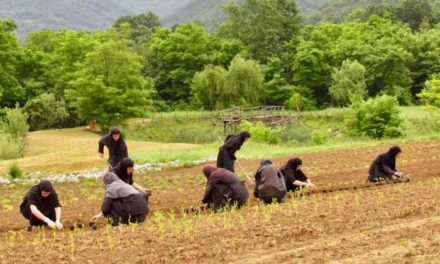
x=274, y=116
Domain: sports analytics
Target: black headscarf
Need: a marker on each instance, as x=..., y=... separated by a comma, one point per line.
x=294, y=163
x=208, y=170
x=45, y=186
x=121, y=170
x=115, y=131
x=244, y=135
x=265, y=162
x=394, y=151
x=390, y=157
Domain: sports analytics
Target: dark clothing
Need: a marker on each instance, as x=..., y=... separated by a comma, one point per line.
x=383, y=167
x=224, y=188
x=45, y=205
x=121, y=171
x=269, y=184
x=226, y=155
x=290, y=176
x=130, y=209
x=117, y=149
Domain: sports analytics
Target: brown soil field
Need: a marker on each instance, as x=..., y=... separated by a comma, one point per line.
x=382, y=224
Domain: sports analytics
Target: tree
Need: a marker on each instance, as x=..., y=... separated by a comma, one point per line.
x=11, y=90
x=415, y=12
x=241, y=85
x=348, y=83
x=45, y=111
x=262, y=25
x=208, y=88
x=176, y=56
x=142, y=26
x=109, y=86
x=431, y=93
x=376, y=118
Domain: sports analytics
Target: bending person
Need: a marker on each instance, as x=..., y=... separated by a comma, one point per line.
x=123, y=204
x=294, y=177
x=224, y=189
x=384, y=166
x=125, y=171
x=116, y=146
x=226, y=155
x=42, y=207
x=269, y=183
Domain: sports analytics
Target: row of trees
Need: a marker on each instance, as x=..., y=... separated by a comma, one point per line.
x=261, y=54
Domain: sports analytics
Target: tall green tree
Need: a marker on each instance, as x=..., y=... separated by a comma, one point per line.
x=264, y=26
x=142, y=26
x=109, y=86
x=11, y=89
x=177, y=55
x=348, y=84
x=240, y=85
x=415, y=12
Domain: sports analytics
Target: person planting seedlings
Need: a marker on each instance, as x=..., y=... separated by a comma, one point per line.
x=123, y=204
x=384, y=166
x=116, y=147
x=294, y=177
x=42, y=207
x=226, y=155
x=269, y=183
x=223, y=189
x=125, y=171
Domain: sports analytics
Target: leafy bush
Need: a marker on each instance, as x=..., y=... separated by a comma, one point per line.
x=15, y=123
x=318, y=138
x=14, y=172
x=261, y=133
x=431, y=94
x=13, y=130
x=10, y=148
x=375, y=118
x=45, y=111
x=297, y=134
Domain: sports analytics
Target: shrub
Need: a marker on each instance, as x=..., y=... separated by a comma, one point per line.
x=261, y=133
x=431, y=94
x=10, y=148
x=45, y=111
x=14, y=172
x=14, y=123
x=297, y=134
x=318, y=137
x=375, y=118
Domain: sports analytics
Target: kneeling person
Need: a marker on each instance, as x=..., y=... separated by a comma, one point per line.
x=294, y=177
x=384, y=166
x=42, y=207
x=223, y=189
x=125, y=171
x=122, y=203
x=269, y=183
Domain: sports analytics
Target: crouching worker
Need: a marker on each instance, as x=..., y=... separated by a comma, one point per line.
x=224, y=189
x=41, y=206
x=226, y=155
x=125, y=171
x=294, y=177
x=123, y=204
x=269, y=183
x=384, y=166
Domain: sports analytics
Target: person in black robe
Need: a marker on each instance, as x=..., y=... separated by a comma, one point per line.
x=226, y=155
x=123, y=204
x=42, y=207
x=125, y=171
x=384, y=166
x=224, y=189
x=294, y=177
x=116, y=147
x=269, y=183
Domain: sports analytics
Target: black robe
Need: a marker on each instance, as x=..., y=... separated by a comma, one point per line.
x=290, y=175
x=133, y=209
x=45, y=205
x=121, y=172
x=383, y=167
x=226, y=154
x=117, y=149
x=224, y=188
